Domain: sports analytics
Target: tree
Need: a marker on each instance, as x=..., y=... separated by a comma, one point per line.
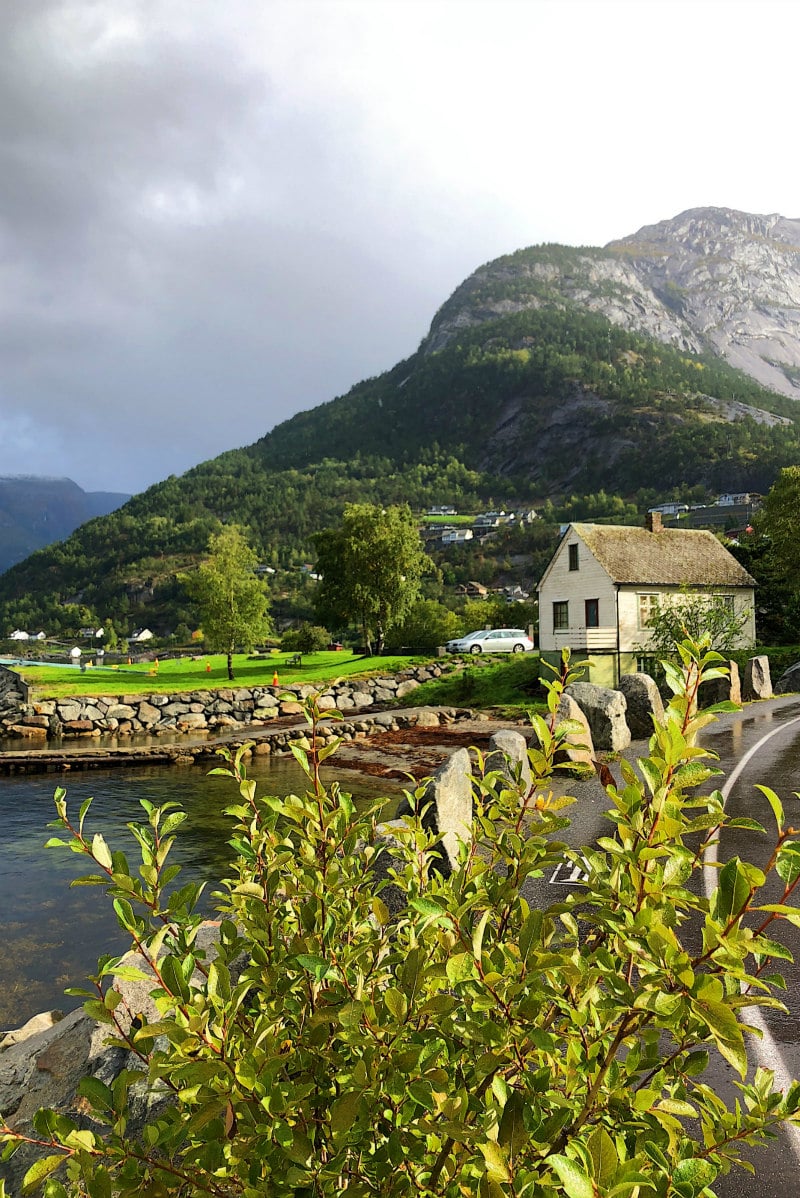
x=777, y=520
x=694, y=614
x=231, y=598
x=425, y=625
x=467, y=1043
x=371, y=567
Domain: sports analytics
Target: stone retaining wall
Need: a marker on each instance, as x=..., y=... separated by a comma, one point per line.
x=190, y=711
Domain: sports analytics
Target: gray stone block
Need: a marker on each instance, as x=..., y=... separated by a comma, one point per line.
x=605, y=710
x=644, y=704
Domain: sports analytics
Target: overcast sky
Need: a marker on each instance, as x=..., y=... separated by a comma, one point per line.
x=215, y=213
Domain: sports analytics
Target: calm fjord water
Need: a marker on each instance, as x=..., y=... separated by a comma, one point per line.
x=51, y=935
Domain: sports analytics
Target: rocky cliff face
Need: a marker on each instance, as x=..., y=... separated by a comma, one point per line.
x=711, y=279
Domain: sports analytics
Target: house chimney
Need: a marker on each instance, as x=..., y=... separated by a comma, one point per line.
x=652, y=522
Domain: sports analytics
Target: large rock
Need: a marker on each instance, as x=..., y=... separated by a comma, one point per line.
x=605, y=710
x=789, y=681
x=644, y=704
x=757, y=683
x=722, y=690
x=447, y=804
x=578, y=747
x=508, y=754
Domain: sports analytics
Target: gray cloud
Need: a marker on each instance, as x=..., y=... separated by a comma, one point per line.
x=214, y=215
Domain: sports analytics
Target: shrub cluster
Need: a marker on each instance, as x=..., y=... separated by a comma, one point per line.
x=467, y=1044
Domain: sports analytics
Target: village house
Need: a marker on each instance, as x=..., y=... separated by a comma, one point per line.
x=605, y=582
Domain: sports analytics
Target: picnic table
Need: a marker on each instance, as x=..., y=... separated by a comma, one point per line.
x=296, y=659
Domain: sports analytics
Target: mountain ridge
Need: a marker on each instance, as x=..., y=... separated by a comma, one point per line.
x=550, y=372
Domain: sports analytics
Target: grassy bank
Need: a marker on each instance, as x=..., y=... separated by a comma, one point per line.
x=208, y=672
x=509, y=686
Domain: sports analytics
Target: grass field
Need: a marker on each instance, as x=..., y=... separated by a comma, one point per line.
x=506, y=686
x=183, y=674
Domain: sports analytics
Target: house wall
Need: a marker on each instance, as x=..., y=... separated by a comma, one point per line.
x=632, y=636
x=589, y=581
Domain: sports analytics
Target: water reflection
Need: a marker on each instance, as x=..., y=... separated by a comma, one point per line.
x=51, y=934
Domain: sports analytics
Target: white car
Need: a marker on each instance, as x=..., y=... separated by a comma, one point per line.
x=492, y=640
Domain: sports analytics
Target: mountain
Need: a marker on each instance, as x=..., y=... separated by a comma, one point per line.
x=711, y=280
x=551, y=373
x=37, y=511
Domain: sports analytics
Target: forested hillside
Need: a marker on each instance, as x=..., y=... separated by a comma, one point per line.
x=538, y=405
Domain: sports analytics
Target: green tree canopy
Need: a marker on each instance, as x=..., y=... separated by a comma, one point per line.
x=231, y=598
x=371, y=567
x=778, y=521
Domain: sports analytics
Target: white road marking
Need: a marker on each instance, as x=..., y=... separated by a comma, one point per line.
x=578, y=874
x=767, y=1051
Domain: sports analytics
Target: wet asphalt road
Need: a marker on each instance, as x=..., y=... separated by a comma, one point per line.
x=760, y=744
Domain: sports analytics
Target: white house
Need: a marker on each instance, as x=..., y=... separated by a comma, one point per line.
x=604, y=582
x=456, y=536
x=141, y=634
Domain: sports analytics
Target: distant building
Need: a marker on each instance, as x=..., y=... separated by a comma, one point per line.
x=19, y=635
x=669, y=509
x=734, y=499
x=141, y=634
x=456, y=536
x=442, y=511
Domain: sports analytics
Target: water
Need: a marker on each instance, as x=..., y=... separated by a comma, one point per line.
x=51, y=935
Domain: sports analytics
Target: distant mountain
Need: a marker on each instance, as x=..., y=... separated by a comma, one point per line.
x=712, y=280
x=37, y=511
x=637, y=370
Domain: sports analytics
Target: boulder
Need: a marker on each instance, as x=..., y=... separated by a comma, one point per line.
x=405, y=688
x=644, y=704
x=722, y=690
x=789, y=681
x=757, y=683
x=578, y=748
x=447, y=804
x=605, y=710
x=508, y=754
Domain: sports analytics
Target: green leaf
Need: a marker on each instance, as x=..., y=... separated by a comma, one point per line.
x=460, y=968
x=344, y=1113
x=496, y=1161
x=575, y=1182
x=101, y=851
x=317, y=966
x=98, y=1094
x=733, y=891
x=775, y=804
x=787, y=866
x=478, y=934
x=39, y=1170
x=174, y=980
x=695, y=1172
x=605, y=1158
x=396, y=1004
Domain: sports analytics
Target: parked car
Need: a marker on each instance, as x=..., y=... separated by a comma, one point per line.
x=492, y=640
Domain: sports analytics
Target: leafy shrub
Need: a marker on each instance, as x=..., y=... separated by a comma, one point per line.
x=308, y=638
x=468, y=1045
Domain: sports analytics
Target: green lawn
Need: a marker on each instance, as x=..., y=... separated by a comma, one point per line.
x=448, y=519
x=182, y=674
x=507, y=685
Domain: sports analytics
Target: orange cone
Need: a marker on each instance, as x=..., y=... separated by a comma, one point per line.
x=275, y=679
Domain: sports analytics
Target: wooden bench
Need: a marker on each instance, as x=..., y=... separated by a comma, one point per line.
x=295, y=660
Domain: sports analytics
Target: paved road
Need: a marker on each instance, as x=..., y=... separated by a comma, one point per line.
x=759, y=744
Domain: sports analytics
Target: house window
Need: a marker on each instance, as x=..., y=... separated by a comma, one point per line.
x=726, y=602
x=560, y=614
x=592, y=613
x=648, y=608
x=573, y=557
